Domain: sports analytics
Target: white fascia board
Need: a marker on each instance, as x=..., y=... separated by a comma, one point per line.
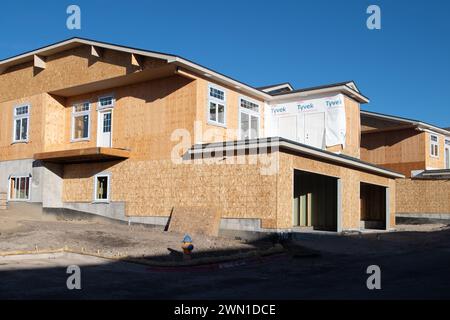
x=433, y=130
x=220, y=78
x=283, y=85
x=29, y=55
x=303, y=94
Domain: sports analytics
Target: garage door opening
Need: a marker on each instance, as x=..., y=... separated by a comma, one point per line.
x=373, y=206
x=315, y=203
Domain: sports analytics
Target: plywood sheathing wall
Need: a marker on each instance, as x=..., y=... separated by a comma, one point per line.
x=10, y=151
x=67, y=69
x=430, y=161
x=423, y=196
x=350, y=179
x=154, y=188
x=401, y=150
x=231, y=130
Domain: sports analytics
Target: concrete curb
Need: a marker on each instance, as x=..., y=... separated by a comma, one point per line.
x=278, y=249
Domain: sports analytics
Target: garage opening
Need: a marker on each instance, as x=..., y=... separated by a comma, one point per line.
x=373, y=206
x=315, y=203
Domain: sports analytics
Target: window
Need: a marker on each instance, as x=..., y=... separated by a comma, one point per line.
x=249, y=119
x=106, y=102
x=19, y=188
x=101, y=187
x=434, y=146
x=216, y=106
x=21, y=123
x=80, y=121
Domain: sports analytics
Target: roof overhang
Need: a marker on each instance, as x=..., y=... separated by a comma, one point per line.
x=415, y=123
x=277, y=87
x=277, y=143
x=304, y=93
x=169, y=58
x=144, y=75
x=443, y=174
x=95, y=154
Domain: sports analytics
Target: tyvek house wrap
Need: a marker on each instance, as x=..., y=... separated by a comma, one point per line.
x=332, y=107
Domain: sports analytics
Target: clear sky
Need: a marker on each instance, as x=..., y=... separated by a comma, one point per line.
x=403, y=68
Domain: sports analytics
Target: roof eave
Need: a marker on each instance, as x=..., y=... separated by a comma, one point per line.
x=341, y=88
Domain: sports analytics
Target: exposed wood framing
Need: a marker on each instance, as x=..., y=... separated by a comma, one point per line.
x=137, y=60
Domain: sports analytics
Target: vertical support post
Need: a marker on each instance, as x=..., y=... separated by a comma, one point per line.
x=388, y=209
x=339, y=205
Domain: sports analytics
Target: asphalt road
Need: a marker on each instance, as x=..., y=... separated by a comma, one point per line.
x=414, y=265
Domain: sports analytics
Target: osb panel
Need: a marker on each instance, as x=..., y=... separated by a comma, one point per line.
x=22, y=150
x=154, y=188
x=350, y=179
x=401, y=146
x=67, y=69
x=144, y=117
x=430, y=161
x=353, y=134
x=423, y=196
x=195, y=220
x=231, y=130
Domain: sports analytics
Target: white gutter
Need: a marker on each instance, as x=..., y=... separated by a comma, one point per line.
x=282, y=143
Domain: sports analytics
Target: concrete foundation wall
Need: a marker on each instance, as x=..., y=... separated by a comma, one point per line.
x=26, y=167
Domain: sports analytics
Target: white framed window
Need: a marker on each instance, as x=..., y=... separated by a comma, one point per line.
x=81, y=115
x=21, y=123
x=19, y=188
x=106, y=102
x=102, y=184
x=249, y=119
x=217, y=105
x=434, y=146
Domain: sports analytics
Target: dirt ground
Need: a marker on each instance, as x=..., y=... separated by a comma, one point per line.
x=24, y=227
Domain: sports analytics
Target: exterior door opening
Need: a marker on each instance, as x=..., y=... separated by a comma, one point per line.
x=315, y=201
x=373, y=206
x=104, y=129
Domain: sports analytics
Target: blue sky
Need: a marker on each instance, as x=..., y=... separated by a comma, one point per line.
x=403, y=68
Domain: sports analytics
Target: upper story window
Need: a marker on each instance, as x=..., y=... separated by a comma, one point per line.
x=21, y=123
x=106, y=102
x=249, y=119
x=81, y=121
x=434, y=146
x=216, y=106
